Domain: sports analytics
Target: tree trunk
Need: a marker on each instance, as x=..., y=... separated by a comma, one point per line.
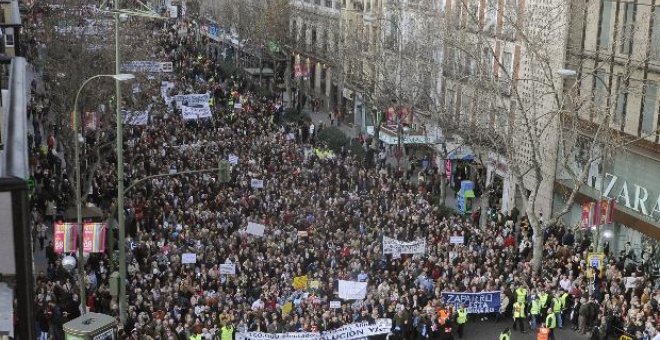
x=483, y=208
x=443, y=190
x=537, y=247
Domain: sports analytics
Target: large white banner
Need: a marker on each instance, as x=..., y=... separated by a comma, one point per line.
x=147, y=66
x=392, y=246
x=190, y=113
x=351, y=331
x=352, y=290
x=136, y=117
x=201, y=99
x=227, y=269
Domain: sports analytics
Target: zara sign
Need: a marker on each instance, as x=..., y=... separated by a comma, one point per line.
x=633, y=196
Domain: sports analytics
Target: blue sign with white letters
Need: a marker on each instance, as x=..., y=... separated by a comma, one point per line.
x=476, y=303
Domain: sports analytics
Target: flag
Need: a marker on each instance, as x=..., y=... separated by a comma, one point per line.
x=287, y=308
x=587, y=214
x=94, y=237
x=606, y=210
x=65, y=237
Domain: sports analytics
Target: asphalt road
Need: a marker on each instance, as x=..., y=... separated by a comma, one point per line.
x=489, y=330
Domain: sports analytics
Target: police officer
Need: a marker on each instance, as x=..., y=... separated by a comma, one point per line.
x=564, y=297
x=551, y=323
x=506, y=334
x=534, y=311
x=521, y=295
x=461, y=319
x=227, y=332
x=543, y=299
x=519, y=316
x=556, y=309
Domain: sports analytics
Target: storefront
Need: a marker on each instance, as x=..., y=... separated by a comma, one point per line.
x=632, y=181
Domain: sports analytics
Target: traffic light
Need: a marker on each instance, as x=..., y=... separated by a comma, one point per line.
x=224, y=175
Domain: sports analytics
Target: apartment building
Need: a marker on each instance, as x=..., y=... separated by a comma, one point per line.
x=10, y=25
x=497, y=86
x=615, y=52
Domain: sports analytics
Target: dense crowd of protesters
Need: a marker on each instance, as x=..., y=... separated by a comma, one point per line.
x=324, y=217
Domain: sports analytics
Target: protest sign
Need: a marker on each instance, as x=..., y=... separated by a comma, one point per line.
x=194, y=100
x=257, y=183
x=190, y=113
x=456, y=239
x=188, y=258
x=335, y=304
x=352, y=290
x=140, y=118
x=476, y=303
x=300, y=282
x=233, y=159
x=392, y=246
x=255, y=229
x=631, y=282
x=360, y=330
x=227, y=269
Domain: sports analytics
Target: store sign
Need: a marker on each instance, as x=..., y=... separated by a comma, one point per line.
x=633, y=196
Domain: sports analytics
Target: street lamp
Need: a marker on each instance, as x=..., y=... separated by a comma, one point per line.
x=76, y=145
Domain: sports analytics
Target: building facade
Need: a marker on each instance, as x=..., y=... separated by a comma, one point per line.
x=615, y=52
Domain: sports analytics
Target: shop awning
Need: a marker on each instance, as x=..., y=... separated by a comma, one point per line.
x=459, y=152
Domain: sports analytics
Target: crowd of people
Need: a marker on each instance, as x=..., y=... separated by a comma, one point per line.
x=325, y=218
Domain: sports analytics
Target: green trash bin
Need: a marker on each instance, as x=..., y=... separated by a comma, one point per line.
x=91, y=326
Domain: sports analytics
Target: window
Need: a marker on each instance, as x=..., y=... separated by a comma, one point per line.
x=649, y=111
x=628, y=27
x=655, y=35
x=491, y=16
x=328, y=3
x=510, y=19
x=9, y=40
x=600, y=91
x=451, y=102
x=473, y=16
x=621, y=102
x=605, y=23
x=487, y=61
x=507, y=63
x=456, y=15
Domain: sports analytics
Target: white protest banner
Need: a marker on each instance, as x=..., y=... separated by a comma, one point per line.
x=238, y=106
x=352, y=290
x=392, y=246
x=360, y=330
x=233, y=159
x=136, y=117
x=227, y=269
x=456, y=239
x=631, y=282
x=257, y=183
x=335, y=304
x=187, y=258
x=200, y=99
x=190, y=113
x=147, y=66
x=255, y=229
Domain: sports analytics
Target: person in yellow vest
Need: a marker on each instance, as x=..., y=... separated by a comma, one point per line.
x=551, y=324
x=519, y=316
x=543, y=299
x=505, y=335
x=227, y=332
x=196, y=334
x=556, y=309
x=461, y=319
x=521, y=295
x=534, y=311
x=564, y=297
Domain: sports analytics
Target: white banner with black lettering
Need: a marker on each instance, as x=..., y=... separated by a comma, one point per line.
x=351, y=331
x=147, y=66
x=136, y=117
x=392, y=246
x=198, y=100
x=190, y=113
x=352, y=290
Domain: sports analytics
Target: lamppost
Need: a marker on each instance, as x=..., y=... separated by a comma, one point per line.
x=76, y=146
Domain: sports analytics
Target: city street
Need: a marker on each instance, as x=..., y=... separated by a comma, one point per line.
x=489, y=330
